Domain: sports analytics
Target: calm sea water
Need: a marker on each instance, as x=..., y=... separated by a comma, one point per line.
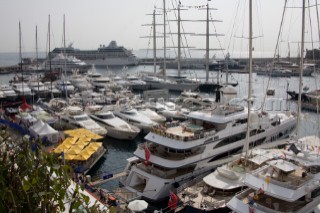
x=118, y=151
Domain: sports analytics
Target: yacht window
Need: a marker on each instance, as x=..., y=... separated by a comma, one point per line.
x=82, y=118
x=106, y=116
x=231, y=139
x=129, y=112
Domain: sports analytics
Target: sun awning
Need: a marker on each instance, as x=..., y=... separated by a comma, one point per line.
x=283, y=165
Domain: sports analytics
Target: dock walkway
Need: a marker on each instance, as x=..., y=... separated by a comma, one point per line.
x=102, y=181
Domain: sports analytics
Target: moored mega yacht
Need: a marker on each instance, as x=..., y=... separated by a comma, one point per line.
x=287, y=184
x=178, y=152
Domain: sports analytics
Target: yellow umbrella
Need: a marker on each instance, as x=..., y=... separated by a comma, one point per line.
x=94, y=146
x=62, y=148
x=75, y=149
x=82, y=142
x=68, y=156
x=71, y=140
x=81, y=132
x=83, y=156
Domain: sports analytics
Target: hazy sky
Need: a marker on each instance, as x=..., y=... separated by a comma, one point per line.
x=91, y=23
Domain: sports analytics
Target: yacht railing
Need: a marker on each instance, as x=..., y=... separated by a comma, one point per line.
x=288, y=184
x=197, y=134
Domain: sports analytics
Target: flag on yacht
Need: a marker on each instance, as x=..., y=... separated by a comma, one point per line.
x=173, y=200
x=147, y=153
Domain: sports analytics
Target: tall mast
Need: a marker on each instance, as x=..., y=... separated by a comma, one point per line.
x=20, y=59
x=179, y=40
x=301, y=69
x=37, y=57
x=154, y=42
x=207, y=45
x=65, y=58
x=164, y=40
x=50, y=58
x=246, y=146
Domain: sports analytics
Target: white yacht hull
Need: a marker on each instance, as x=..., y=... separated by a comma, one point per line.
x=157, y=185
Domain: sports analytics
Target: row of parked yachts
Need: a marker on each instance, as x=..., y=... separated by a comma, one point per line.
x=186, y=140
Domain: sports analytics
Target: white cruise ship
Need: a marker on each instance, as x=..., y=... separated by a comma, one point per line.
x=178, y=152
x=111, y=55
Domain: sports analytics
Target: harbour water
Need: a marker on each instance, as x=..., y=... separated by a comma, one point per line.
x=118, y=151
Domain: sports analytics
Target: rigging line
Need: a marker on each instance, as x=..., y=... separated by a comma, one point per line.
x=234, y=25
x=260, y=23
x=149, y=41
x=318, y=21
x=243, y=26
x=172, y=40
x=215, y=31
x=313, y=60
x=184, y=35
x=277, y=46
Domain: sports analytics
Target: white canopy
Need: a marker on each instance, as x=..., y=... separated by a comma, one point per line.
x=37, y=126
x=47, y=130
x=283, y=165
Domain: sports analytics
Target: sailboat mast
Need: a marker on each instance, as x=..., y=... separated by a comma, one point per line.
x=179, y=40
x=37, y=69
x=20, y=58
x=207, y=45
x=246, y=146
x=64, y=82
x=50, y=58
x=301, y=68
x=154, y=42
x=164, y=40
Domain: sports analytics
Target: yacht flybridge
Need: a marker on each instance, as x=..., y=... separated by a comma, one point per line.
x=180, y=152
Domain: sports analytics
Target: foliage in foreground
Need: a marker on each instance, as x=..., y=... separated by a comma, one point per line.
x=32, y=180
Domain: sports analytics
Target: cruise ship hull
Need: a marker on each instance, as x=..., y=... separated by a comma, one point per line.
x=112, y=62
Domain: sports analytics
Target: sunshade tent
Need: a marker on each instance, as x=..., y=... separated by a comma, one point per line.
x=82, y=157
x=138, y=205
x=62, y=148
x=94, y=146
x=68, y=156
x=75, y=149
x=72, y=140
x=81, y=132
